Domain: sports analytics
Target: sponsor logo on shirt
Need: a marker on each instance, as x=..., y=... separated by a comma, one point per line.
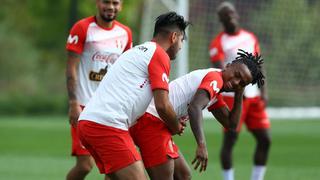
x=105, y=57
x=73, y=39
x=98, y=76
x=165, y=77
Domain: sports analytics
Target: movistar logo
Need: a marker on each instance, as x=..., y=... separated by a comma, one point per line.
x=73, y=39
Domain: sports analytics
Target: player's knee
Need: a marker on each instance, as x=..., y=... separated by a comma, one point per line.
x=185, y=175
x=265, y=142
x=85, y=167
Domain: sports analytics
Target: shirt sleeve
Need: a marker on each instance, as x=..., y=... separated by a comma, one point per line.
x=215, y=50
x=212, y=83
x=76, y=39
x=159, y=70
x=129, y=44
x=218, y=104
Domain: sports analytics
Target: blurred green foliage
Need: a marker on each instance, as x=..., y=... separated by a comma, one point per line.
x=292, y=51
x=32, y=52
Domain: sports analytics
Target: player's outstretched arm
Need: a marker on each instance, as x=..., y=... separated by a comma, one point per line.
x=166, y=111
x=197, y=104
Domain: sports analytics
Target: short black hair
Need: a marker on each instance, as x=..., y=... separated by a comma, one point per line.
x=167, y=22
x=254, y=64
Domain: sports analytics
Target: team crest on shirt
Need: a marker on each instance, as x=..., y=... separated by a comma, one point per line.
x=73, y=39
x=165, y=77
x=105, y=57
x=98, y=76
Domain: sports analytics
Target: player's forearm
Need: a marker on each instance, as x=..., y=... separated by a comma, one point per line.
x=71, y=87
x=235, y=113
x=71, y=78
x=71, y=75
x=195, y=118
x=167, y=113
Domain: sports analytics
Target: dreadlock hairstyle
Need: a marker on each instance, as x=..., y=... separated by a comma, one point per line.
x=168, y=22
x=254, y=64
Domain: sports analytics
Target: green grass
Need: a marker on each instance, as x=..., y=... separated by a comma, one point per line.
x=34, y=148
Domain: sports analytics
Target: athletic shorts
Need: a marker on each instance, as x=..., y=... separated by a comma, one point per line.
x=77, y=149
x=254, y=113
x=111, y=148
x=154, y=140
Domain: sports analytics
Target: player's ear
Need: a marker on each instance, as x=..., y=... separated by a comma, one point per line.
x=173, y=37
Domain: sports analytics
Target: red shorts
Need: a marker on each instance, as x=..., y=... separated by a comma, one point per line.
x=111, y=148
x=77, y=148
x=254, y=113
x=154, y=140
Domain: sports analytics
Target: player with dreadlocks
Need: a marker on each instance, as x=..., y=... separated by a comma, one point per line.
x=189, y=95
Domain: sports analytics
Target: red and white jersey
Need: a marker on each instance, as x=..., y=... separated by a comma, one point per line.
x=182, y=90
x=99, y=48
x=225, y=47
x=125, y=93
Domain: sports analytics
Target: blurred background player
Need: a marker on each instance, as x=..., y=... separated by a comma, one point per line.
x=125, y=93
x=223, y=49
x=94, y=44
x=189, y=95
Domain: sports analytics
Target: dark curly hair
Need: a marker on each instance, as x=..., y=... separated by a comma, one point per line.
x=254, y=64
x=169, y=22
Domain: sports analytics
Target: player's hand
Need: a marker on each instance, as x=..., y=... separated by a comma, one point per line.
x=201, y=159
x=182, y=126
x=184, y=118
x=74, y=112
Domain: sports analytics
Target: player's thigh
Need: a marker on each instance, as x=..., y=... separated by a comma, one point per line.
x=181, y=168
x=135, y=171
x=163, y=171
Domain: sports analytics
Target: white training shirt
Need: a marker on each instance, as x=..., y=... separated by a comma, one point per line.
x=99, y=48
x=182, y=90
x=125, y=93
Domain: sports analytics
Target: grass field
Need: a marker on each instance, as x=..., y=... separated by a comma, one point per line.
x=37, y=148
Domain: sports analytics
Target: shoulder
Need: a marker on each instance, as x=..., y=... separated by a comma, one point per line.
x=218, y=37
x=249, y=33
x=85, y=22
x=126, y=28
x=215, y=76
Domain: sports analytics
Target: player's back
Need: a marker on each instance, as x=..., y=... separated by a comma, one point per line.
x=182, y=91
x=125, y=92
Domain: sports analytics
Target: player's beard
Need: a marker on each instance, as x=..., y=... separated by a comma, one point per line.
x=107, y=19
x=172, y=52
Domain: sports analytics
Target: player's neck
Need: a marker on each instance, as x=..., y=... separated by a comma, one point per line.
x=161, y=42
x=234, y=32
